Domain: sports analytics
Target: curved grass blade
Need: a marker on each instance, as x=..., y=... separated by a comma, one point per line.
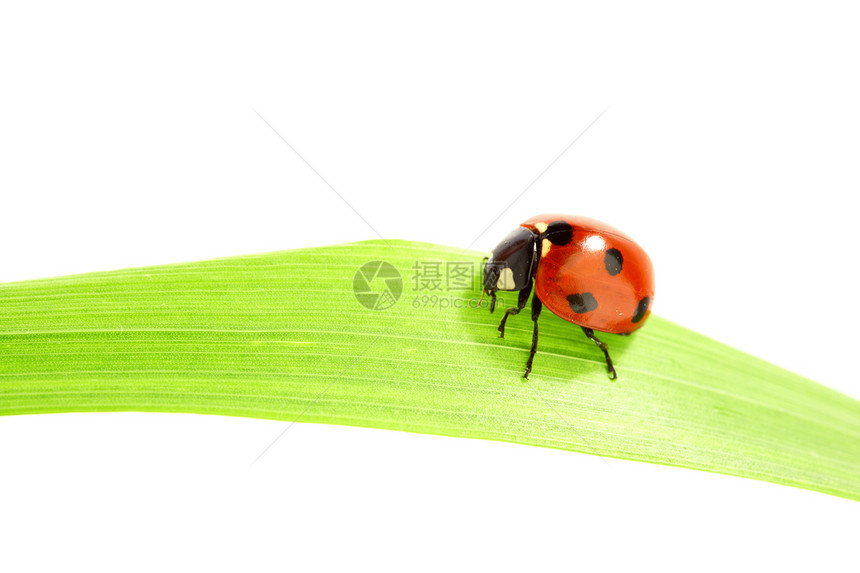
x=283, y=336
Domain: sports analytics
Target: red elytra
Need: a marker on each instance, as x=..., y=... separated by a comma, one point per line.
x=584, y=271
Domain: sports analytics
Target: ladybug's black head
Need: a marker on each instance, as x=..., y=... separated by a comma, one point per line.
x=513, y=263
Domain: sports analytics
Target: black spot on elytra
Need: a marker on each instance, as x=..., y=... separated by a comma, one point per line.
x=582, y=302
x=641, y=309
x=613, y=261
x=559, y=233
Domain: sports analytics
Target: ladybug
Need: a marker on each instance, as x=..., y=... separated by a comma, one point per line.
x=583, y=271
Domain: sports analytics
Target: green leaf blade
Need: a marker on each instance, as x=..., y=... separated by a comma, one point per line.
x=282, y=336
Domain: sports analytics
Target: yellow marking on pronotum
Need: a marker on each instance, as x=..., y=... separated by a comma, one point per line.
x=544, y=248
x=506, y=280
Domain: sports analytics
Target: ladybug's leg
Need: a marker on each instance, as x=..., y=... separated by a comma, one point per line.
x=521, y=303
x=536, y=308
x=601, y=345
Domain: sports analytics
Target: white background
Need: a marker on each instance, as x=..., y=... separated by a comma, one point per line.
x=729, y=150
